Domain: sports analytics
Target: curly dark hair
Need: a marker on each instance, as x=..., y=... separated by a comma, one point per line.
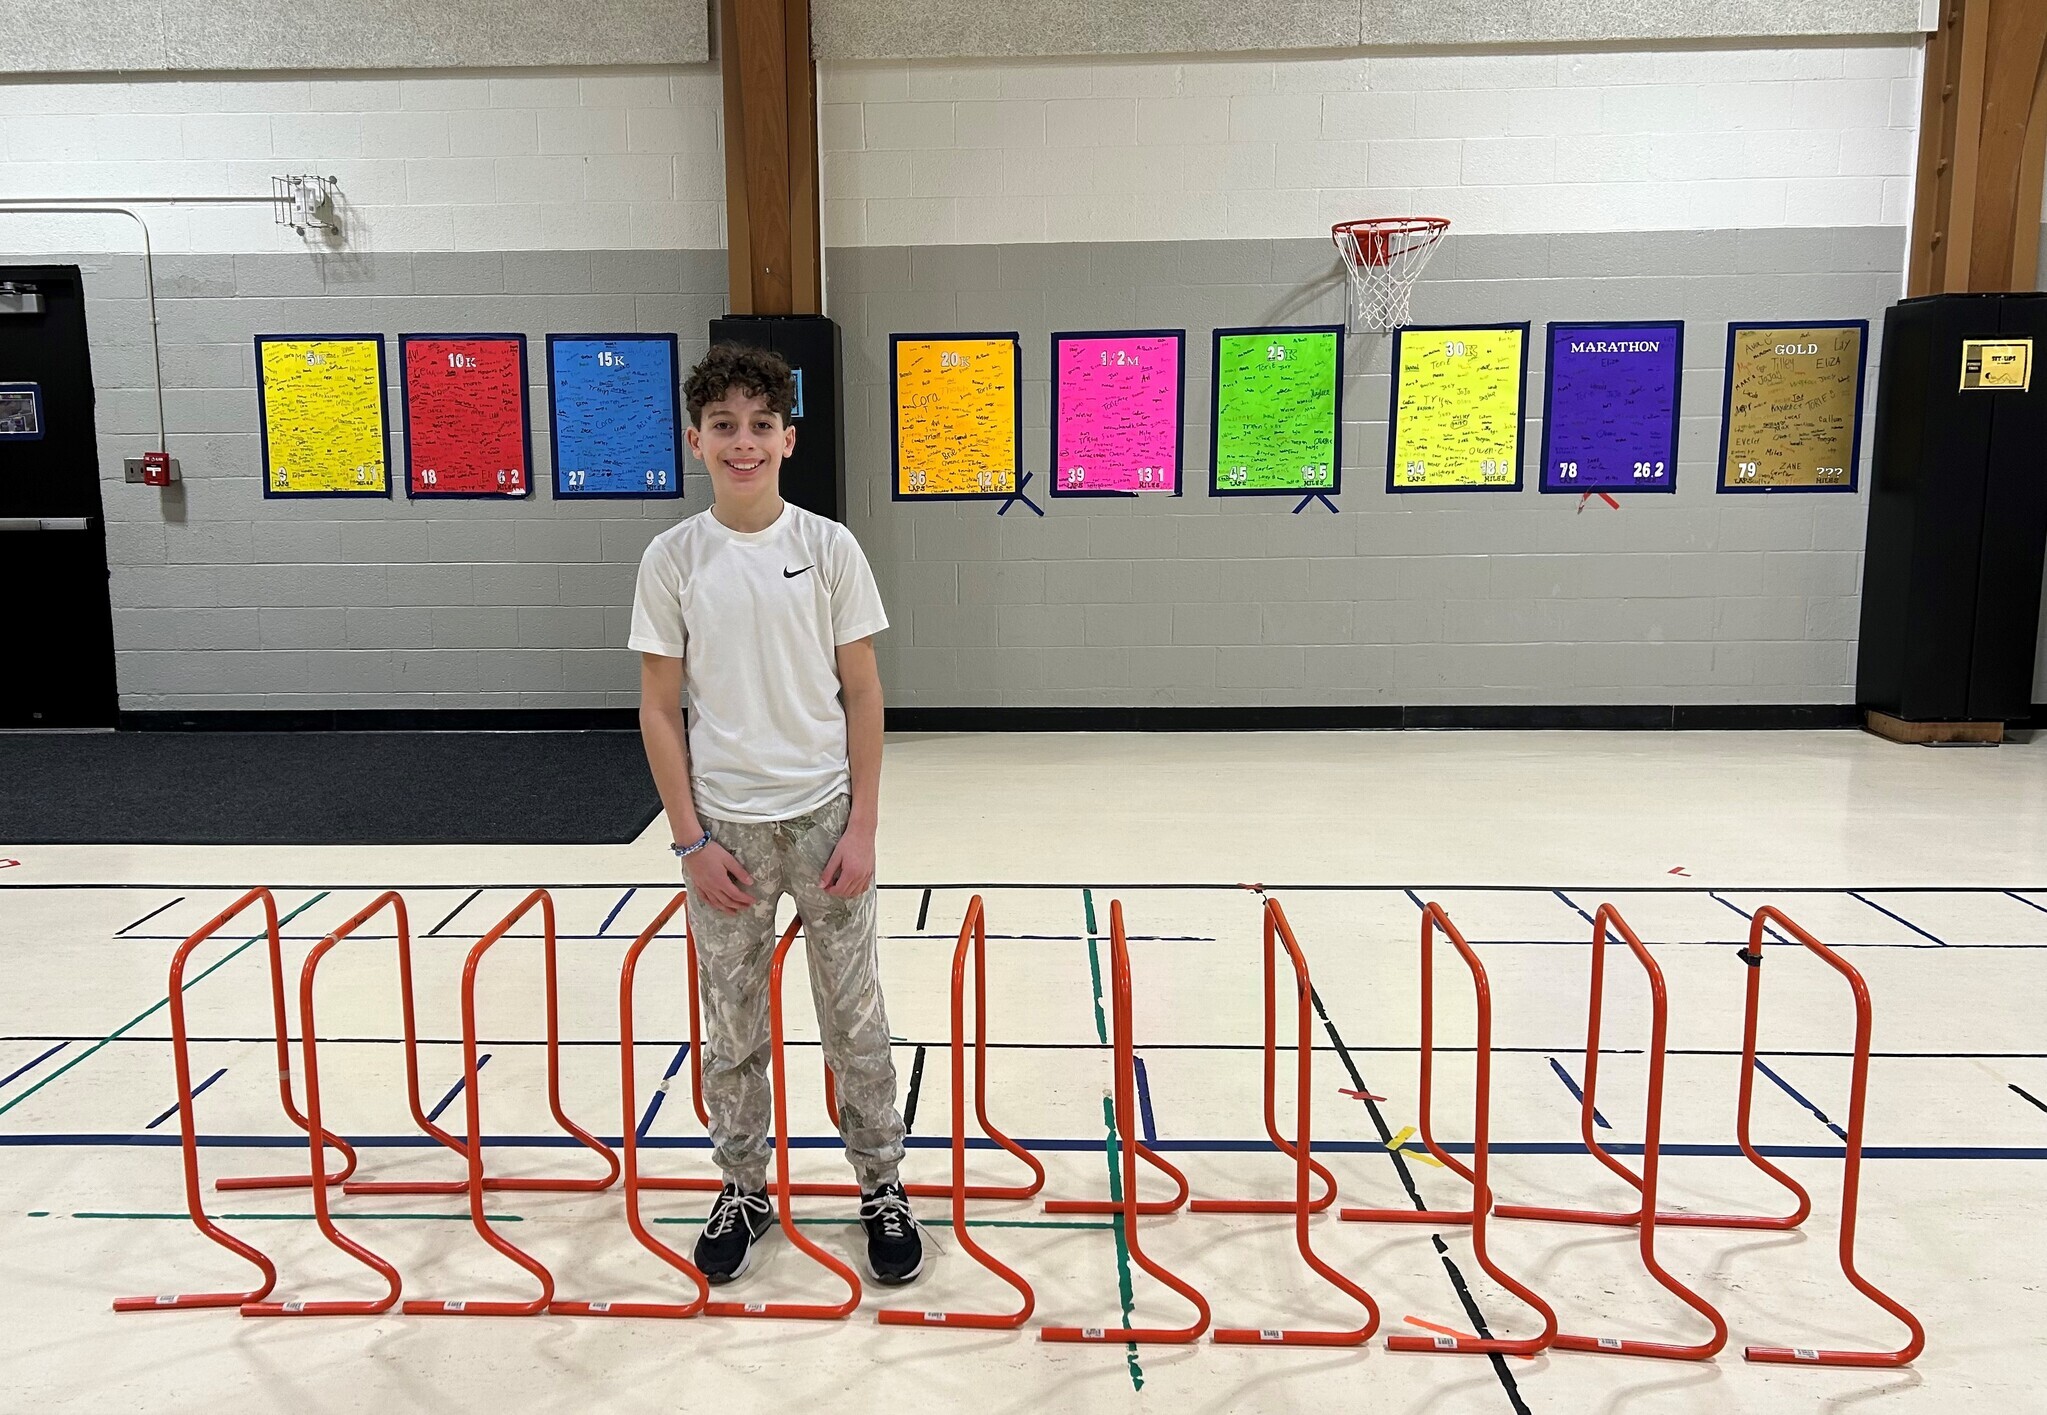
x=741, y=368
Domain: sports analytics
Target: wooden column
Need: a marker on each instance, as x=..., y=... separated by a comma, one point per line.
x=1982, y=149
x=771, y=203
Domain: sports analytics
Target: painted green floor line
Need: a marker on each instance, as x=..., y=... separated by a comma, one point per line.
x=1113, y=1148
x=133, y=1022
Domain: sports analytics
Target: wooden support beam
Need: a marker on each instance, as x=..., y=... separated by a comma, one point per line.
x=1982, y=149
x=771, y=188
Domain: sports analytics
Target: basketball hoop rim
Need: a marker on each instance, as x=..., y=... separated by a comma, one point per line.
x=1385, y=227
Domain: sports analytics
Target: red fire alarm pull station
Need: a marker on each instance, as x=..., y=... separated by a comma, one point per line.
x=156, y=469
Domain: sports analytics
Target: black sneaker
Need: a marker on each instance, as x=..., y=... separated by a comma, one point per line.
x=895, y=1252
x=737, y=1221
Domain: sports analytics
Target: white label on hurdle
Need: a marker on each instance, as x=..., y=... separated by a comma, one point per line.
x=453, y=1306
x=1805, y=1353
x=934, y=1316
x=1609, y=1343
x=600, y=1306
x=169, y=1299
x=295, y=1306
x=1091, y=1333
x=755, y=1307
x=1446, y=1343
x=1268, y=1334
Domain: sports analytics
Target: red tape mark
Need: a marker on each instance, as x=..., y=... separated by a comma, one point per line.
x=1359, y=1095
x=8, y=864
x=1680, y=870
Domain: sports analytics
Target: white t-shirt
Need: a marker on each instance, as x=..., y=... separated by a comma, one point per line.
x=757, y=615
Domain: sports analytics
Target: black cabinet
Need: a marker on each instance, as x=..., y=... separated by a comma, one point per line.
x=1957, y=512
x=814, y=476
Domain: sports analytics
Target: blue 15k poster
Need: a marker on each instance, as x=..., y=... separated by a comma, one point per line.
x=616, y=422
x=1610, y=418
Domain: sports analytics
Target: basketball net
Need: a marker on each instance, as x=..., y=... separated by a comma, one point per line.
x=1384, y=257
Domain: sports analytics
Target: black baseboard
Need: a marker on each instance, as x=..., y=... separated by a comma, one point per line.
x=387, y=720
x=1589, y=718
x=1593, y=717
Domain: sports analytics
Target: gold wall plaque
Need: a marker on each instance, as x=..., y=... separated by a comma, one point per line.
x=1793, y=414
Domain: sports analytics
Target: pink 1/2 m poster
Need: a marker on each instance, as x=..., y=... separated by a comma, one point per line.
x=1117, y=410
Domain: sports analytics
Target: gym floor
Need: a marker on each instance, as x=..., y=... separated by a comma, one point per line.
x=1926, y=868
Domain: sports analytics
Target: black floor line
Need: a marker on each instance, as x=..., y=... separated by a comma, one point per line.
x=1414, y=1194
x=1442, y=1049
x=450, y=917
x=923, y=911
x=916, y=1085
x=152, y=914
x=2030, y=1096
x=1200, y=886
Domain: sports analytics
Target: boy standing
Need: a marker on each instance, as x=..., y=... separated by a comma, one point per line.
x=772, y=790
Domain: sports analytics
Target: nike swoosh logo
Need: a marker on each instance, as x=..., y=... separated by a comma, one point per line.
x=792, y=574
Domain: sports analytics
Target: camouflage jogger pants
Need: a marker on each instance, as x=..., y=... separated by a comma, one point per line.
x=789, y=857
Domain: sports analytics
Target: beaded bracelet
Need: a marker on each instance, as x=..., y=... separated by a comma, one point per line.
x=683, y=852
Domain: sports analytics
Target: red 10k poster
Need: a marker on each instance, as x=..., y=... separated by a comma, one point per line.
x=465, y=415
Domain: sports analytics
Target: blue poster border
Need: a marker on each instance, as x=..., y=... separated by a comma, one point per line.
x=263, y=418
x=1549, y=373
x=405, y=342
x=1722, y=487
x=1520, y=415
x=1179, y=338
x=1215, y=391
x=674, y=419
x=895, y=427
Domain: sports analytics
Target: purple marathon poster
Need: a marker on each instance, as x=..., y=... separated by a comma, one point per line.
x=1610, y=419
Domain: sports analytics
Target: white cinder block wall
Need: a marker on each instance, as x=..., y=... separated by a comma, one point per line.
x=532, y=160
x=1608, y=140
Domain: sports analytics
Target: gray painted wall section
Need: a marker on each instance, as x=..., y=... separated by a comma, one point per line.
x=124, y=36
x=370, y=603
x=1482, y=598
x=931, y=29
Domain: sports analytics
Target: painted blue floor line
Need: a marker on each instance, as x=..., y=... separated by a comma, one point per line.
x=654, y=1105
x=614, y=910
x=20, y=1071
x=455, y=1090
x=1571, y=1085
x=1899, y=918
x=1049, y=1145
x=1788, y=1089
x=1144, y=1116
x=195, y=1093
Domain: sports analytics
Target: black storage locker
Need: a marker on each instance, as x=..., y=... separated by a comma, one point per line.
x=814, y=476
x=1958, y=510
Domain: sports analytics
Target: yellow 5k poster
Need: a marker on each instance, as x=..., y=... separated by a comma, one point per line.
x=322, y=404
x=958, y=423
x=1458, y=396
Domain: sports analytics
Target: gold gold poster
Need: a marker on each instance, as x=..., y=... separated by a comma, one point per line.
x=1793, y=414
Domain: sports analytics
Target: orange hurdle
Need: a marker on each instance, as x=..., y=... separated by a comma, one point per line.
x=308, y=1040
x=554, y=1096
x=818, y=1311
x=1128, y=1207
x=629, y=1148
x=472, y=1144
x=840, y=1188
x=1476, y=1174
x=1276, y=927
x=188, y=1132
x=1279, y=1142
x=974, y=937
x=1645, y=1217
x=1851, y=1178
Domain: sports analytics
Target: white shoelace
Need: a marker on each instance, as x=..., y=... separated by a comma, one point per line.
x=891, y=1209
x=731, y=1206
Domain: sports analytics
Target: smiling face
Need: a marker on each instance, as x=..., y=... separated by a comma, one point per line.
x=741, y=441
